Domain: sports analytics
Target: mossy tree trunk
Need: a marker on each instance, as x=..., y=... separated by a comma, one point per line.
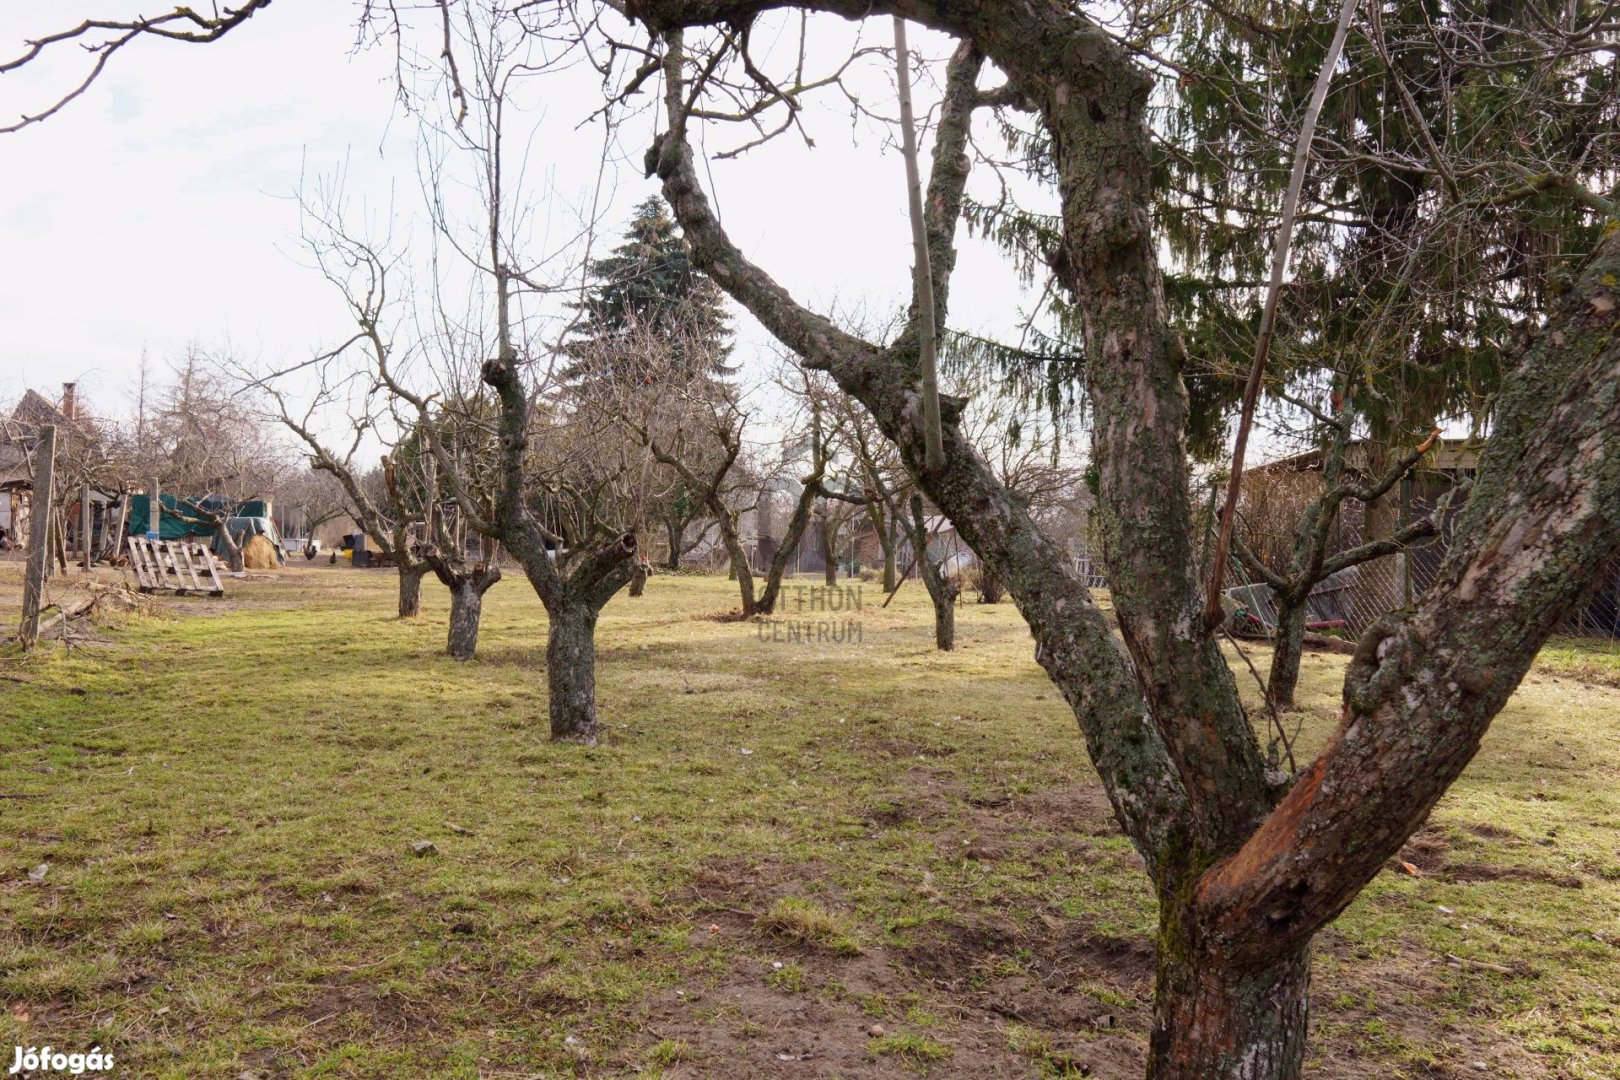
x=1214, y=1022
x=571, y=673
x=410, y=588
x=1288, y=645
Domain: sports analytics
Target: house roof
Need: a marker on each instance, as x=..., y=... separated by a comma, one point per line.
x=20, y=431
x=34, y=411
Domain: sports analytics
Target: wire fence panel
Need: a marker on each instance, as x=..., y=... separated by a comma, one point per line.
x=1354, y=598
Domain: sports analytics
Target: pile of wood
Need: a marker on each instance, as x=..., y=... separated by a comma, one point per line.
x=73, y=619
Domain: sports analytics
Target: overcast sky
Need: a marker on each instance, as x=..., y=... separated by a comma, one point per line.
x=158, y=210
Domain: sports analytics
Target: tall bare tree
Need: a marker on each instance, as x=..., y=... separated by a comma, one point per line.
x=380, y=510
x=567, y=497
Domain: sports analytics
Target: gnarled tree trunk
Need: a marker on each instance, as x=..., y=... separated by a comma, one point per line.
x=571, y=672
x=466, y=611
x=573, y=602
x=410, y=589
x=467, y=589
x=1287, y=646
x=1211, y=1022
x=942, y=592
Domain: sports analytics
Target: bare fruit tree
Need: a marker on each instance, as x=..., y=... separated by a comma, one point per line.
x=568, y=492
x=694, y=427
x=383, y=516
x=1247, y=863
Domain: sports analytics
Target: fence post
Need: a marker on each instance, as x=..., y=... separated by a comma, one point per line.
x=39, y=535
x=85, y=525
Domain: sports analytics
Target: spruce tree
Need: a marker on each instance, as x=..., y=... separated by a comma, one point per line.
x=648, y=291
x=1409, y=278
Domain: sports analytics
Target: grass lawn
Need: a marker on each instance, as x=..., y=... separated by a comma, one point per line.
x=856, y=859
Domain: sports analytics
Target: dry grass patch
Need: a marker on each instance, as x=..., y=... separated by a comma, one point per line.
x=807, y=923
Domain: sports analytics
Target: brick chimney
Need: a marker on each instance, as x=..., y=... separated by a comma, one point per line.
x=70, y=401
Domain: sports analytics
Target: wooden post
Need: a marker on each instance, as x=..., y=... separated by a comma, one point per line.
x=117, y=545
x=85, y=525
x=154, y=511
x=50, y=538
x=39, y=538
x=59, y=539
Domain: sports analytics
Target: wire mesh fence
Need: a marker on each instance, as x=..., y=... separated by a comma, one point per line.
x=1348, y=602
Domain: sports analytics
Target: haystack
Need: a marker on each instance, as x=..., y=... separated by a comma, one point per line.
x=258, y=553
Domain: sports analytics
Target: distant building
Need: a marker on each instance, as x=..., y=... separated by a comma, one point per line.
x=78, y=444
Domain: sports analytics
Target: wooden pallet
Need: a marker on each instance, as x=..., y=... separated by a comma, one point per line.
x=172, y=564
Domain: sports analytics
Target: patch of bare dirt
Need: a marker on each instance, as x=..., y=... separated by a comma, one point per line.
x=1427, y=850
x=733, y=882
x=386, y=1010
x=1078, y=808
x=734, y=615
x=742, y=1028
x=748, y=1024
x=1400, y=993
x=1470, y=872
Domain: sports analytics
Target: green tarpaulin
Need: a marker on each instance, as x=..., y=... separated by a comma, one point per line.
x=180, y=518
